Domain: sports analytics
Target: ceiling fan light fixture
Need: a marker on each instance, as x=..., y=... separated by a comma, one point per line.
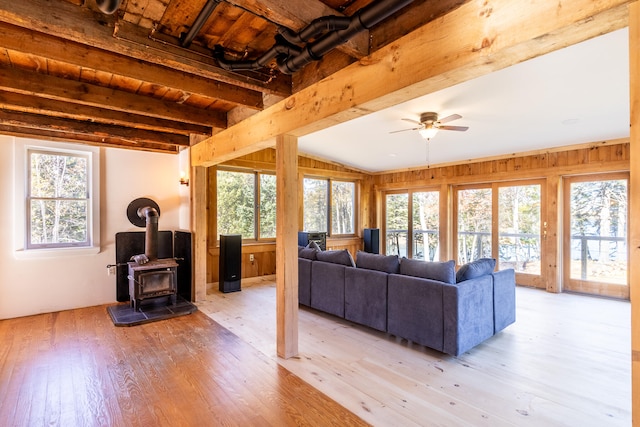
x=428, y=132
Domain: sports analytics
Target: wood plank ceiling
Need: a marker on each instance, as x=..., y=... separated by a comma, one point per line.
x=69, y=71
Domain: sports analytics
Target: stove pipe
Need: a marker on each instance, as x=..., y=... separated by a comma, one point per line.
x=151, y=216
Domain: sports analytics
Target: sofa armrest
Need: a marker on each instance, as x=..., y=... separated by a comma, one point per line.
x=468, y=314
x=327, y=287
x=504, y=298
x=304, y=281
x=414, y=310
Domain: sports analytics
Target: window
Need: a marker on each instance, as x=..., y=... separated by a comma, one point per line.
x=58, y=208
x=474, y=224
x=412, y=222
x=343, y=200
x=329, y=202
x=519, y=229
x=595, y=244
x=246, y=204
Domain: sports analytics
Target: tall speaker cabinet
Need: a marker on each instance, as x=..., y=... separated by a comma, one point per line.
x=230, y=264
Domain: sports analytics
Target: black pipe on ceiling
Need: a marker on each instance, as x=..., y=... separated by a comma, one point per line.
x=205, y=13
x=280, y=49
x=331, y=30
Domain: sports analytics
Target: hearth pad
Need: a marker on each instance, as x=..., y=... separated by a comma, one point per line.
x=150, y=311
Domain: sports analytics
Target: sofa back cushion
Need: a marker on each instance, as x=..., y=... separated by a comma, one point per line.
x=441, y=271
x=476, y=268
x=341, y=256
x=384, y=263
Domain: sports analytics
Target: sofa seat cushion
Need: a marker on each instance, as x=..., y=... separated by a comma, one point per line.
x=342, y=257
x=365, y=297
x=476, y=268
x=440, y=271
x=384, y=263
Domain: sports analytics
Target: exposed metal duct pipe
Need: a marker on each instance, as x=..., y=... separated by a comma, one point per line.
x=281, y=48
x=364, y=19
x=108, y=7
x=205, y=13
x=315, y=28
x=331, y=30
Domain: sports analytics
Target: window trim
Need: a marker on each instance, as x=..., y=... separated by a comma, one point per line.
x=22, y=147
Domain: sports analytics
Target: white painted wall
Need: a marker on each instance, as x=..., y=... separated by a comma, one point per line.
x=32, y=286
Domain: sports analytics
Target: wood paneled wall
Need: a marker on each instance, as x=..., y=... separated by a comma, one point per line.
x=264, y=253
x=549, y=166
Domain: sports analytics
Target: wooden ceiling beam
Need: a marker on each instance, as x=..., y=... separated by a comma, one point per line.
x=297, y=15
x=473, y=40
x=42, y=45
x=86, y=139
x=62, y=19
x=35, y=121
x=36, y=105
x=14, y=80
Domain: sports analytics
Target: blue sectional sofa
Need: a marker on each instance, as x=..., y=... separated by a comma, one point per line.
x=428, y=303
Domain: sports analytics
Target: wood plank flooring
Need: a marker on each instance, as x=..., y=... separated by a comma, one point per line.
x=565, y=362
x=74, y=368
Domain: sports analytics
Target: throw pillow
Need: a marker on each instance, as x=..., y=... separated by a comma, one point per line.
x=341, y=256
x=385, y=263
x=476, y=268
x=308, y=253
x=442, y=271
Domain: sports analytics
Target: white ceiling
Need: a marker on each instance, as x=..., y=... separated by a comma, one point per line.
x=575, y=95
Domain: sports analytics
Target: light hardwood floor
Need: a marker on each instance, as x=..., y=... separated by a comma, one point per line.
x=565, y=362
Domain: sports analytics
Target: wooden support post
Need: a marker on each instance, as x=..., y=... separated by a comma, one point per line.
x=286, y=245
x=634, y=206
x=198, y=184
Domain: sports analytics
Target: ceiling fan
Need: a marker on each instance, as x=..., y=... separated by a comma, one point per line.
x=429, y=124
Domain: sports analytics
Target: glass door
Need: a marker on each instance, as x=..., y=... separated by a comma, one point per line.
x=595, y=250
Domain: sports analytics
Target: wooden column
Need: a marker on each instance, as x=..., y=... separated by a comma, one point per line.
x=199, y=189
x=286, y=245
x=634, y=206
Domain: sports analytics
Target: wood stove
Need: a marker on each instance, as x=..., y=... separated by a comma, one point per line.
x=152, y=280
x=149, y=277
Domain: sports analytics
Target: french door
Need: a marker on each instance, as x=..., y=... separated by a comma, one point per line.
x=595, y=249
x=502, y=221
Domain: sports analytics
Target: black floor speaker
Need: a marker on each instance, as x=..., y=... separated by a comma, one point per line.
x=230, y=265
x=372, y=240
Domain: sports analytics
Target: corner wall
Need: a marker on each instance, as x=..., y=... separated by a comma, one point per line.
x=32, y=286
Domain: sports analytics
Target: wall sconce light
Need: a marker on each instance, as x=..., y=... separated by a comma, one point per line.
x=183, y=179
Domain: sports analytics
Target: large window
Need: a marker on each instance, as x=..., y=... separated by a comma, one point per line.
x=246, y=204
x=59, y=207
x=474, y=224
x=595, y=244
x=519, y=228
x=412, y=225
x=57, y=199
x=329, y=203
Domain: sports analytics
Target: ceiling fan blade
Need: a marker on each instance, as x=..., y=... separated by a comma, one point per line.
x=458, y=128
x=450, y=118
x=412, y=121
x=404, y=130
